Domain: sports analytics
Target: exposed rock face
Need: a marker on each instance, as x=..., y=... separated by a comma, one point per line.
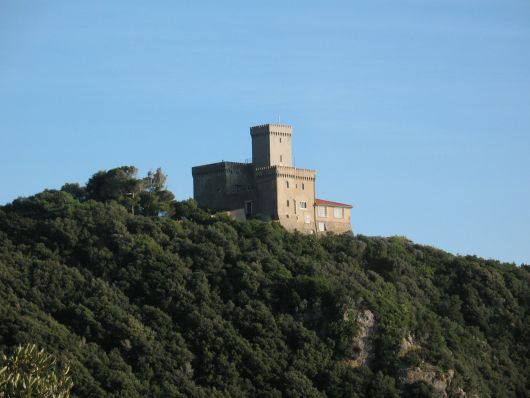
x=460, y=393
x=431, y=375
x=440, y=380
x=366, y=324
x=408, y=344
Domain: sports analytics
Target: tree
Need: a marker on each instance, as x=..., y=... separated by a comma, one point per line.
x=114, y=184
x=420, y=389
x=155, y=181
x=147, y=196
x=119, y=184
x=75, y=190
x=30, y=372
x=155, y=198
x=383, y=386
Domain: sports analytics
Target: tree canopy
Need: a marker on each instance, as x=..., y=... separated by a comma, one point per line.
x=147, y=296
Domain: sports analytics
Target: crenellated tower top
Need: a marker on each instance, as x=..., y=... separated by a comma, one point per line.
x=271, y=145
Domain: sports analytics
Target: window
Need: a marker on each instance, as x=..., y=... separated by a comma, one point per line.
x=281, y=158
x=303, y=186
x=338, y=212
x=287, y=202
x=321, y=226
x=322, y=211
x=280, y=140
x=307, y=219
x=248, y=208
x=303, y=205
x=287, y=184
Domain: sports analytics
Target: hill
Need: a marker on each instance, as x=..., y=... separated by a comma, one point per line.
x=147, y=296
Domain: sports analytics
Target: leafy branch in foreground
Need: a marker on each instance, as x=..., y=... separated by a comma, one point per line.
x=30, y=372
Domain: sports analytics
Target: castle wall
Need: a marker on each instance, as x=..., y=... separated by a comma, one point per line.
x=295, y=196
x=260, y=150
x=269, y=188
x=281, y=146
x=223, y=186
x=271, y=145
x=266, y=193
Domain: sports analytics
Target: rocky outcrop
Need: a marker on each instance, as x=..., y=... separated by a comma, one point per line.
x=366, y=324
x=440, y=380
x=408, y=344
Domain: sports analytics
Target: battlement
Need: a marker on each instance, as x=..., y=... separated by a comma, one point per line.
x=220, y=168
x=285, y=172
x=270, y=188
x=282, y=130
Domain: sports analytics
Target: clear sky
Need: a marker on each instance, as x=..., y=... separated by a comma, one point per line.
x=416, y=111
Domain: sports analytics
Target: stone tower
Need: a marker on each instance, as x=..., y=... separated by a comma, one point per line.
x=271, y=145
x=269, y=188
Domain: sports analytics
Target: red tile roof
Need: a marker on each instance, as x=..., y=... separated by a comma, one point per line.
x=332, y=204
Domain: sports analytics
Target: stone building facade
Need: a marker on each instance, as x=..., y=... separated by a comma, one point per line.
x=269, y=188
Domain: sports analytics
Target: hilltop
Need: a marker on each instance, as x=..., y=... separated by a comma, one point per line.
x=144, y=295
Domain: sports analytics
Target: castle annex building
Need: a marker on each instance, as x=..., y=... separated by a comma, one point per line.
x=269, y=188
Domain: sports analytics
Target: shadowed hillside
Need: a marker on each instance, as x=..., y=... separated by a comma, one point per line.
x=143, y=295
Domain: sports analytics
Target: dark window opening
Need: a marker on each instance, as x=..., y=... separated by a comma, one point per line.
x=248, y=208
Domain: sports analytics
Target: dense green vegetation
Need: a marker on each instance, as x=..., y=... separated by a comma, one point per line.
x=143, y=295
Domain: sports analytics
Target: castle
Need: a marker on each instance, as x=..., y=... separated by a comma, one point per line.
x=269, y=188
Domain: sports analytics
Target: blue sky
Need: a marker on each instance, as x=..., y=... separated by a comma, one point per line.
x=416, y=112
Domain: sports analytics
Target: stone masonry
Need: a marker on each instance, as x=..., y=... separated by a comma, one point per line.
x=269, y=188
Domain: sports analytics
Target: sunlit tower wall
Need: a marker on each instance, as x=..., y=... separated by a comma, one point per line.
x=272, y=145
